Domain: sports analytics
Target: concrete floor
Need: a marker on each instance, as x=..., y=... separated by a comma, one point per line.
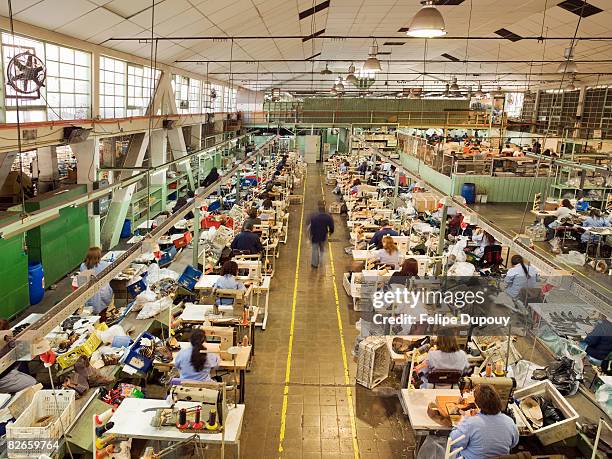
x=317, y=420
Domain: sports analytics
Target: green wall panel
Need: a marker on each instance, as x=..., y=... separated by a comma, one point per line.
x=504, y=189
x=14, y=291
x=436, y=179
x=60, y=245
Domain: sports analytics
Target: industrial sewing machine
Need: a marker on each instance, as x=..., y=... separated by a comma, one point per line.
x=504, y=386
x=208, y=415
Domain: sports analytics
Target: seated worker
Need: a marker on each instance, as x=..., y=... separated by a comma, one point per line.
x=228, y=280
x=247, y=241
x=384, y=230
x=520, y=277
x=507, y=150
x=389, y=254
x=594, y=220
x=211, y=178
x=490, y=433
x=563, y=211
x=518, y=153
x=446, y=356
x=193, y=362
x=252, y=217
x=598, y=343
x=344, y=167
x=355, y=186
x=12, y=380
x=94, y=265
x=409, y=270
x=363, y=167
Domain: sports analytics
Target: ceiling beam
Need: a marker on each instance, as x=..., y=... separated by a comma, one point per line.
x=398, y=61
x=347, y=37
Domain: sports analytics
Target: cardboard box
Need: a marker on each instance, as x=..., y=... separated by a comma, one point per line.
x=551, y=205
x=424, y=202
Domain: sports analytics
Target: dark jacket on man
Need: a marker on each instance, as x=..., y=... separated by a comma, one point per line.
x=321, y=225
x=247, y=241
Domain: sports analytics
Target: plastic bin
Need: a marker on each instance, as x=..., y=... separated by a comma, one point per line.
x=126, y=230
x=36, y=282
x=136, y=360
x=189, y=278
x=468, y=191
x=60, y=405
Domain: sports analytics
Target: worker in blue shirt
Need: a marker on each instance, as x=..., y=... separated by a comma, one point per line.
x=490, y=433
x=384, y=230
x=193, y=362
x=594, y=220
x=228, y=281
x=247, y=241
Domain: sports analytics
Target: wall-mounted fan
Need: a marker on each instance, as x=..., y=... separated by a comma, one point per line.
x=26, y=73
x=213, y=94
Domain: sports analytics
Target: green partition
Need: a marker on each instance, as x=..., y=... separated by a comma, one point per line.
x=60, y=245
x=504, y=189
x=429, y=175
x=14, y=291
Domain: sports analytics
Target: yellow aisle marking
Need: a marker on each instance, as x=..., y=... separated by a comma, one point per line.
x=291, y=329
x=347, y=379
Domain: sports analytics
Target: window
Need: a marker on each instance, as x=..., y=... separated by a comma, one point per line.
x=195, y=96
x=32, y=107
x=140, y=89
x=112, y=88
x=180, y=85
x=206, y=107
x=216, y=102
x=229, y=99
x=68, y=83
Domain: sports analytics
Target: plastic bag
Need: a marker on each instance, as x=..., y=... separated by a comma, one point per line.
x=155, y=307
x=108, y=335
x=461, y=269
x=522, y=371
x=434, y=447
x=603, y=396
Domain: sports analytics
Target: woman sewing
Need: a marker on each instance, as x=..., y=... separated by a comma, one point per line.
x=389, y=255
x=490, y=433
x=193, y=362
x=228, y=281
x=93, y=266
x=519, y=277
x=446, y=356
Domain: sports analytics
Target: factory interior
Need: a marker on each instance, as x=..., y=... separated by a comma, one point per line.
x=353, y=229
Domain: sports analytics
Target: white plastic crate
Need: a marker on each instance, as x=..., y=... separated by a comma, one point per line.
x=60, y=405
x=373, y=361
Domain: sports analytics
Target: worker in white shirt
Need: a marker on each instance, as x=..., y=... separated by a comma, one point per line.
x=563, y=211
x=389, y=255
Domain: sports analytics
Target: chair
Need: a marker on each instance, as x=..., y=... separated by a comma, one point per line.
x=451, y=377
x=450, y=453
x=491, y=257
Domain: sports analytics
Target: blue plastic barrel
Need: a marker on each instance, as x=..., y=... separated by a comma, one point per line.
x=126, y=230
x=468, y=191
x=36, y=282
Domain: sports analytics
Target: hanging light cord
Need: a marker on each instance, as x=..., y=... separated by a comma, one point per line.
x=556, y=94
x=153, y=67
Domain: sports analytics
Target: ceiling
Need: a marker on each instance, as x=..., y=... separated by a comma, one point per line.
x=105, y=21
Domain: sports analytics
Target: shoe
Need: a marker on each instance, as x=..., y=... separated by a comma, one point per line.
x=91, y=375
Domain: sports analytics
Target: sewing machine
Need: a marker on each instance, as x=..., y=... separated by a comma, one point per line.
x=504, y=386
x=251, y=267
x=208, y=415
x=225, y=337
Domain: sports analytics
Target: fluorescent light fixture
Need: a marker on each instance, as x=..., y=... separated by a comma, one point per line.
x=427, y=23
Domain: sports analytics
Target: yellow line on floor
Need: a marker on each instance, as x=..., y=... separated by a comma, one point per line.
x=347, y=379
x=291, y=329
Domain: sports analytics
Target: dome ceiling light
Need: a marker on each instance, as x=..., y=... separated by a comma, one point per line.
x=427, y=23
x=372, y=64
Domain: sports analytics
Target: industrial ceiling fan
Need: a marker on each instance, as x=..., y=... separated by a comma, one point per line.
x=26, y=73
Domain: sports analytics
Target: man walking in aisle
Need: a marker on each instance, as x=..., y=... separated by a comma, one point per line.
x=321, y=224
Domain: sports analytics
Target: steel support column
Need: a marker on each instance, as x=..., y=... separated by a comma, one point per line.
x=117, y=211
